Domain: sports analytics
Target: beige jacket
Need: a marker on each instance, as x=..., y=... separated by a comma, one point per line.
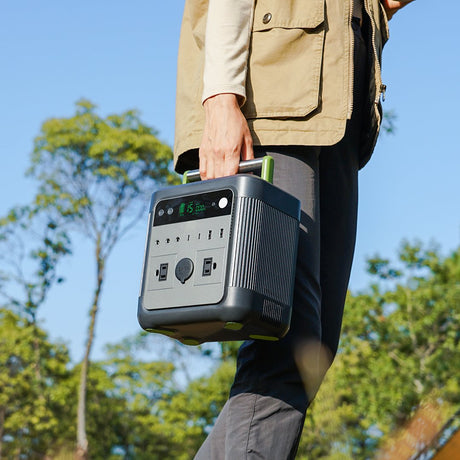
x=299, y=74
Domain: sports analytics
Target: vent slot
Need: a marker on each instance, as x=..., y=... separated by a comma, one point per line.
x=272, y=312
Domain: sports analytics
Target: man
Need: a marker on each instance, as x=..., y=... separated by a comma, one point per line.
x=299, y=80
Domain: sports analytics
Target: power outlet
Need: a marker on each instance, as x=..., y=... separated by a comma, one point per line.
x=211, y=263
x=163, y=272
x=207, y=266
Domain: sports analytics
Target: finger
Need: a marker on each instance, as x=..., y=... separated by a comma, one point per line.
x=232, y=162
x=247, y=151
x=218, y=159
x=203, y=163
x=210, y=165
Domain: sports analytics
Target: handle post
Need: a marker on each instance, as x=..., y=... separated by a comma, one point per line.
x=268, y=165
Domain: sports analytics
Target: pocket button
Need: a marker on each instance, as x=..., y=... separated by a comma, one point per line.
x=267, y=18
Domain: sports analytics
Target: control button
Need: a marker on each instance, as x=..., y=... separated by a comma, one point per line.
x=267, y=18
x=161, y=212
x=223, y=202
x=170, y=211
x=184, y=269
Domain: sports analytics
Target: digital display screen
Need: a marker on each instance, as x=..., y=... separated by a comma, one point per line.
x=192, y=207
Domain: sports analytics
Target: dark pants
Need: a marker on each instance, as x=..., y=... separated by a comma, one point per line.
x=274, y=382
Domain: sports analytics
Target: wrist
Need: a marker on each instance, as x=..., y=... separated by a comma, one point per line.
x=222, y=100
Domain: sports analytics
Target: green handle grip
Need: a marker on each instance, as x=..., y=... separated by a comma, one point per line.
x=265, y=165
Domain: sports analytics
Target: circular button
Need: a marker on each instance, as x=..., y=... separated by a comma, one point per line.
x=161, y=212
x=184, y=269
x=267, y=18
x=223, y=202
x=170, y=211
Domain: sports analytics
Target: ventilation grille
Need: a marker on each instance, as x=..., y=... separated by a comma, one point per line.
x=265, y=250
x=272, y=312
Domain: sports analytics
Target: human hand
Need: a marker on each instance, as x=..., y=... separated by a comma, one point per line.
x=392, y=6
x=226, y=137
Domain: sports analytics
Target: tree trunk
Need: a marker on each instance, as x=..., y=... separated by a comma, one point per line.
x=2, y=424
x=37, y=357
x=82, y=441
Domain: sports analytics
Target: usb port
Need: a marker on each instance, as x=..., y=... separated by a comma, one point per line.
x=207, y=266
x=163, y=272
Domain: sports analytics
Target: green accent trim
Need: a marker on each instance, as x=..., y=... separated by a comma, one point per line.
x=268, y=164
x=185, y=177
x=264, y=337
x=162, y=331
x=233, y=326
x=190, y=342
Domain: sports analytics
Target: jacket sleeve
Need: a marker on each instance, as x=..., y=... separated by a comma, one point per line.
x=228, y=30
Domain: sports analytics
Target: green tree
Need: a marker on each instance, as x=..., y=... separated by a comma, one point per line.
x=399, y=347
x=140, y=385
x=96, y=173
x=32, y=414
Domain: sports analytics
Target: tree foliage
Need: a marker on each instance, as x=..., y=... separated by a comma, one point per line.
x=32, y=407
x=98, y=171
x=399, y=347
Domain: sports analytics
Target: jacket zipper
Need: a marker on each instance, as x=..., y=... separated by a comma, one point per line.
x=350, y=60
x=379, y=86
x=383, y=90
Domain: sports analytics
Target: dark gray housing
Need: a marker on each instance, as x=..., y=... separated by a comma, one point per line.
x=220, y=261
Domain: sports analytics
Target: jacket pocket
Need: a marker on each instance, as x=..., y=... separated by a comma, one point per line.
x=285, y=59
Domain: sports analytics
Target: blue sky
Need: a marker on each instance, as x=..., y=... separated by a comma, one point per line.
x=122, y=55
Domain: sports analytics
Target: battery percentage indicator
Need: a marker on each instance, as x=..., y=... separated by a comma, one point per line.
x=191, y=208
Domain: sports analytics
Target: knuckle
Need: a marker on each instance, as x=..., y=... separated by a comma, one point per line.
x=218, y=151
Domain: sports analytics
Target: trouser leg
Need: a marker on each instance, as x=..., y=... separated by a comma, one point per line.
x=338, y=166
x=339, y=199
x=245, y=428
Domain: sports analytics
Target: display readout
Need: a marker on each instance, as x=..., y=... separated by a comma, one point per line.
x=193, y=207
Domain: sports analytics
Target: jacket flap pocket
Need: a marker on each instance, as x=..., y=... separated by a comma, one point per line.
x=289, y=14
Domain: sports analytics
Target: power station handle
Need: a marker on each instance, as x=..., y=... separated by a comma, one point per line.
x=265, y=165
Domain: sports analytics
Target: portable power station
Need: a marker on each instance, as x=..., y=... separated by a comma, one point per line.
x=220, y=258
